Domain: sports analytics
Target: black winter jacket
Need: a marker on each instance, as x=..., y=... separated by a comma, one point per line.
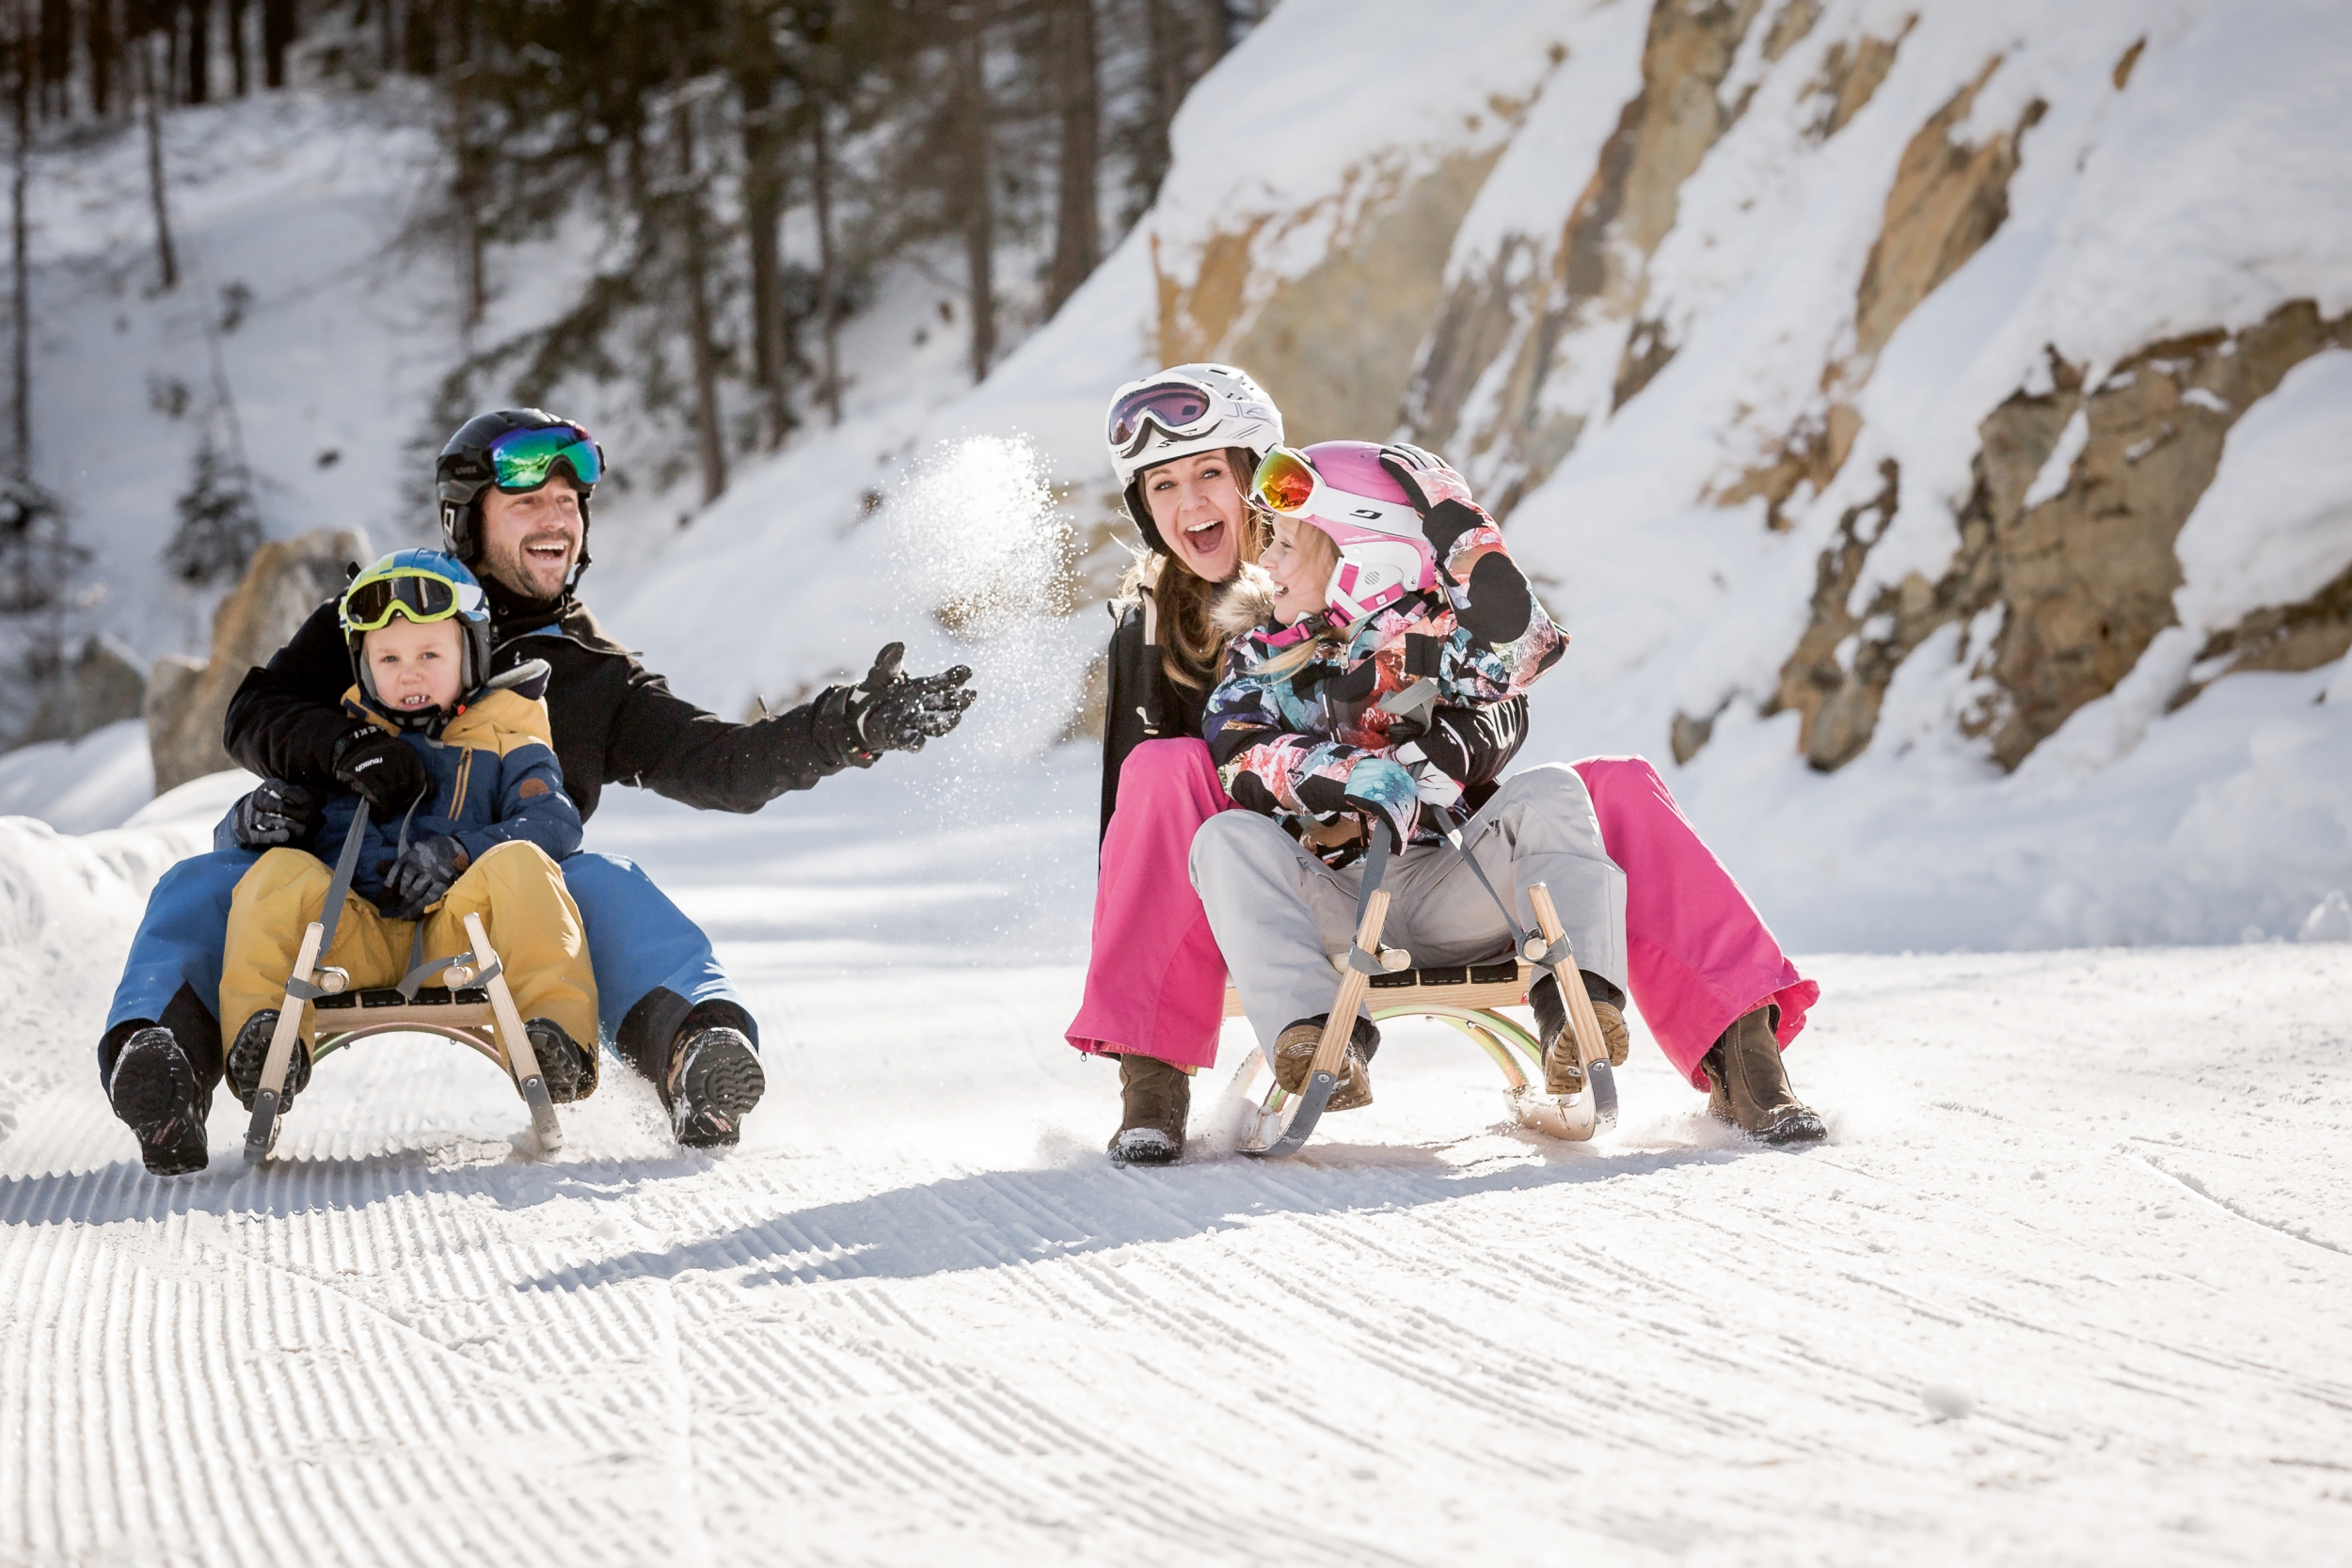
x=1143, y=704
x=613, y=720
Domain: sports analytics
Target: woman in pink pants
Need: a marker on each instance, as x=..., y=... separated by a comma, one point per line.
x=1709, y=979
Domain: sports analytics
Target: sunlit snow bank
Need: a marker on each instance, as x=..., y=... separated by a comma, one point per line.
x=68, y=907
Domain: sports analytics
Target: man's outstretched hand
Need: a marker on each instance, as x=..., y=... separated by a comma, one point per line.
x=893, y=712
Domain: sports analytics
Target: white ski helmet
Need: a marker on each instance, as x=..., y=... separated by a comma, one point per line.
x=1181, y=411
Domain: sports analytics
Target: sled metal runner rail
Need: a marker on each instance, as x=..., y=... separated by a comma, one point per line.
x=1466, y=997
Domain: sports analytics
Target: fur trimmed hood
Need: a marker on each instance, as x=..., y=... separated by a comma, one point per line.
x=1245, y=605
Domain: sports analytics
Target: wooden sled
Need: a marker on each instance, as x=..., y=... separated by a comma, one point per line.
x=1470, y=997
x=474, y=1008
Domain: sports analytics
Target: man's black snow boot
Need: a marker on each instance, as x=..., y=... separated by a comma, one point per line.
x=1155, y=1098
x=153, y=1090
x=1748, y=1087
x=714, y=1078
x=567, y=1068
x=1294, y=1058
x=1563, y=1073
x=250, y=1054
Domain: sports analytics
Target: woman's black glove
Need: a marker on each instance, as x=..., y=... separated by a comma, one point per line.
x=381, y=768
x=423, y=875
x=276, y=812
x=891, y=712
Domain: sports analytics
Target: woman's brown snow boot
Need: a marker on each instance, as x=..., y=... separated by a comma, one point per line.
x=1154, y=1098
x=1748, y=1087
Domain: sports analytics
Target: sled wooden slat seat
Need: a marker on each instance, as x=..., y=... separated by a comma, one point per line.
x=1501, y=983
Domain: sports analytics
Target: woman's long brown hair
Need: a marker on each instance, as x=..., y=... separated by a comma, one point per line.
x=1192, y=651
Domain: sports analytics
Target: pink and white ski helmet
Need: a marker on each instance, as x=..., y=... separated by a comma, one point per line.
x=1340, y=487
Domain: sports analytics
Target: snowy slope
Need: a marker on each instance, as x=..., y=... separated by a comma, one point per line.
x=2205, y=196
x=2048, y=1294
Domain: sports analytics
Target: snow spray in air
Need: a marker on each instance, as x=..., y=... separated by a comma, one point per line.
x=974, y=537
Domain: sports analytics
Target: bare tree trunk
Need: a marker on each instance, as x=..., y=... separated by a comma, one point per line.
x=828, y=297
x=278, y=31
x=237, y=76
x=21, y=379
x=166, y=263
x=1077, y=227
x=763, y=210
x=975, y=188
x=711, y=437
x=1217, y=27
x=99, y=40
x=466, y=196
x=200, y=50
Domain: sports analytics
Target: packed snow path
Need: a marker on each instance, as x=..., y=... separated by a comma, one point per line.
x=2067, y=1285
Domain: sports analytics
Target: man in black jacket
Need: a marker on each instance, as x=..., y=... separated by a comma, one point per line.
x=514, y=488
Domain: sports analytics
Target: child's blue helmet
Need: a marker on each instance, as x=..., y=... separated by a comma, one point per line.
x=422, y=586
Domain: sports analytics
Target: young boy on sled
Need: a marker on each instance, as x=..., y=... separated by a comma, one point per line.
x=483, y=839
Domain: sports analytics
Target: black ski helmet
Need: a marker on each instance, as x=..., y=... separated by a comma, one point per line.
x=465, y=469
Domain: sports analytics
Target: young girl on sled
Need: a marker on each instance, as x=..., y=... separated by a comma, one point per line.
x=483, y=839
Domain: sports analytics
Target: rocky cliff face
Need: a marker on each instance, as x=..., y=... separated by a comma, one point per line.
x=1769, y=250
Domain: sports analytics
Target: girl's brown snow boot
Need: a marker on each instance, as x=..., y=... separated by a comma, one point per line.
x=1748, y=1087
x=1154, y=1098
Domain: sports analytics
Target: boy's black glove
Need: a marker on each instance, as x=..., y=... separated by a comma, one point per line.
x=892, y=712
x=381, y=768
x=422, y=876
x=276, y=812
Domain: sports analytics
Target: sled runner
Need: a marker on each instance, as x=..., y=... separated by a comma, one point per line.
x=1275, y=1122
x=473, y=1007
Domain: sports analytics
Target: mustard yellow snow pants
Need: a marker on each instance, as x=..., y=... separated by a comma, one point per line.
x=516, y=889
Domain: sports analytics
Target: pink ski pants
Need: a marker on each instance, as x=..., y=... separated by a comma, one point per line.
x=1698, y=954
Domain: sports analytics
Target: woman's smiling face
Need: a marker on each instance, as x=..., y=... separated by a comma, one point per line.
x=1196, y=504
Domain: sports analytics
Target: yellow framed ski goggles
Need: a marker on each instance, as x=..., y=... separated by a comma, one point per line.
x=412, y=593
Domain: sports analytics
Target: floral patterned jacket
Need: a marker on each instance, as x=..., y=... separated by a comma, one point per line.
x=1294, y=739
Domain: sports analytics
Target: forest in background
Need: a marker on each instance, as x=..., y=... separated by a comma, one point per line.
x=1001, y=147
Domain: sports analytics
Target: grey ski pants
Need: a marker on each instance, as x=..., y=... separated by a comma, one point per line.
x=1277, y=911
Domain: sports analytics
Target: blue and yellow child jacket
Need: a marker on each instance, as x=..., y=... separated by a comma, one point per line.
x=494, y=778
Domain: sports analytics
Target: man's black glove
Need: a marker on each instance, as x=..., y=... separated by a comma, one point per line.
x=892, y=712
x=422, y=874
x=380, y=767
x=276, y=812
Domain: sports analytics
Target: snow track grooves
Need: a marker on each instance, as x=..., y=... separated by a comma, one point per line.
x=868, y=1338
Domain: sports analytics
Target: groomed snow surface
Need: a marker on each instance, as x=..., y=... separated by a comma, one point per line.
x=2061, y=1287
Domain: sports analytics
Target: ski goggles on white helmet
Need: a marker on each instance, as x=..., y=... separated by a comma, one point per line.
x=1179, y=406
x=1384, y=555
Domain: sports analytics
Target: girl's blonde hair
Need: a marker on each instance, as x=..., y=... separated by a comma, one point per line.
x=1253, y=605
x=1192, y=651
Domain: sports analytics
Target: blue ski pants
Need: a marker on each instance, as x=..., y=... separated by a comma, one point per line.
x=653, y=964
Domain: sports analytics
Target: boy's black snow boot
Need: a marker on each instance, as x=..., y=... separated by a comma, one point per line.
x=567, y=1068
x=250, y=1054
x=1294, y=1058
x=1563, y=1072
x=1155, y=1098
x=1748, y=1086
x=155, y=1091
x=714, y=1077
